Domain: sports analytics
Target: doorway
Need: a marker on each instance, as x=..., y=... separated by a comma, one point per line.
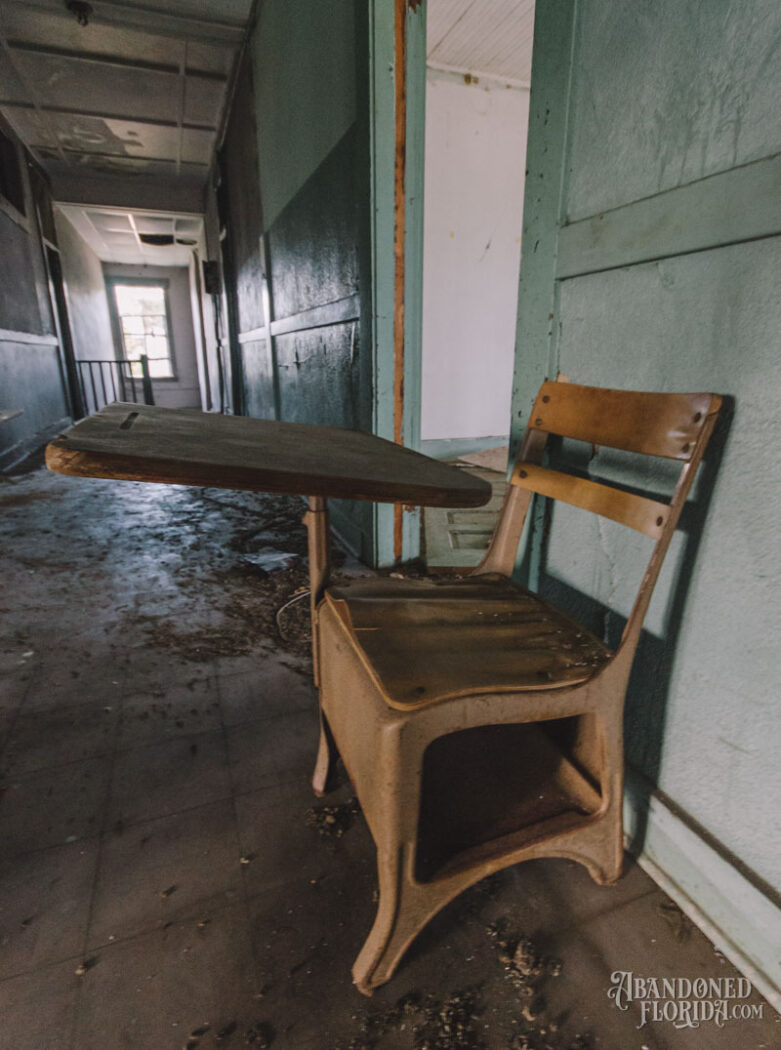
x=478, y=67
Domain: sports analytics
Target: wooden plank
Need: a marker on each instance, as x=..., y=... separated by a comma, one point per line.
x=186, y=447
x=655, y=424
x=338, y=312
x=733, y=206
x=638, y=512
x=253, y=335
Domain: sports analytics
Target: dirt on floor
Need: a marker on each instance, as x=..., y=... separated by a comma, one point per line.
x=260, y=571
x=167, y=879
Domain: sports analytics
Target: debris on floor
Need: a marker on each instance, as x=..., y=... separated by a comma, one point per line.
x=679, y=923
x=526, y=969
x=271, y=560
x=260, y=1035
x=434, y=1023
x=333, y=821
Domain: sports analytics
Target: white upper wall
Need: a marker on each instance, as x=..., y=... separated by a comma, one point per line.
x=475, y=158
x=85, y=289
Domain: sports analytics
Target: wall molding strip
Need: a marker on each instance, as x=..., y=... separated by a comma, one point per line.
x=473, y=78
x=733, y=913
x=731, y=207
x=8, y=336
x=340, y=311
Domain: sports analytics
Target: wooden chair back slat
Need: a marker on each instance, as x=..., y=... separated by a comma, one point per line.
x=655, y=424
x=638, y=512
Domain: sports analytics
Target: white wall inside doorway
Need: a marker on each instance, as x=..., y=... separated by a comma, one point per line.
x=475, y=159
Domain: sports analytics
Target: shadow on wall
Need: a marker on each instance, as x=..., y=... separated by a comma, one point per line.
x=649, y=685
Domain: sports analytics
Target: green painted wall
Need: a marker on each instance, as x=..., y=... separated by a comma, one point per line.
x=307, y=196
x=305, y=89
x=667, y=113
x=308, y=100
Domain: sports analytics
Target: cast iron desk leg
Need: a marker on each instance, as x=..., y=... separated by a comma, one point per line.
x=316, y=520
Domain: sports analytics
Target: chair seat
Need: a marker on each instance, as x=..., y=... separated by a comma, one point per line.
x=429, y=640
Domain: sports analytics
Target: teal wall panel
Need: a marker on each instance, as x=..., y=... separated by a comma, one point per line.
x=732, y=206
x=316, y=360
x=666, y=93
x=258, y=373
x=667, y=113
x=315, y=243
x=705, y=736
x=31, y=378
x=308, y=105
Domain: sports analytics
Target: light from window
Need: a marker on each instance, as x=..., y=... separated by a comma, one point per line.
x=143, y=325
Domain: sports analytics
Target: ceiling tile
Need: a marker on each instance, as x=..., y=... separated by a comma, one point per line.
x=203, y=101
x=122, y=246
x=97, y=87
x=116, y=221
x=236, y=11
x=31, y=127
x=60, y=30
x=155, y=224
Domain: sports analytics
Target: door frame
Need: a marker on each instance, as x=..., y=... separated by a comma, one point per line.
x=67, y=352
x=397, y=45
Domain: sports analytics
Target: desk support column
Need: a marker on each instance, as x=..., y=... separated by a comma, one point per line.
x=316, y=521
x=317, y=525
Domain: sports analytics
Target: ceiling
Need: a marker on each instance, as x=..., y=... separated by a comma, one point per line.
x=137, y=96
x=128, y=109
x=118, y=236
x=490, y=38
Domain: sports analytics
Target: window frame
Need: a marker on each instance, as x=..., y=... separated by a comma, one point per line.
x=112, y=281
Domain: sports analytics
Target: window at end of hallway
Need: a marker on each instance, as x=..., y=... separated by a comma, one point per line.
x=142, y=312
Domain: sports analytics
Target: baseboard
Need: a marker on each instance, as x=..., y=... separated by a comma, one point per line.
x=732, y=912
x=453, y=448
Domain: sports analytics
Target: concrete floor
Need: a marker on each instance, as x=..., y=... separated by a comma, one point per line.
x=165, y=881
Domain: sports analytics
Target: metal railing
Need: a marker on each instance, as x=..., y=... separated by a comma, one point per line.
x=107, y=380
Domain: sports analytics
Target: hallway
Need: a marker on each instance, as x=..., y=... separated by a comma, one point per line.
x=168, y=880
